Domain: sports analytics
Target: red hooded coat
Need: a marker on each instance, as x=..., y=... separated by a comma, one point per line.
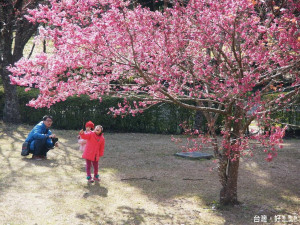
x=94, y=148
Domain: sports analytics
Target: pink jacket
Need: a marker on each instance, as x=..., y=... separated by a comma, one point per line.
x=94, y=148
x=82, y=142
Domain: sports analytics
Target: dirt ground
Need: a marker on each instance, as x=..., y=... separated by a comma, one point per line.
x=142, y=183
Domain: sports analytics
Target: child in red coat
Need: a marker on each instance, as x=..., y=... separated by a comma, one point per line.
x=94, y=149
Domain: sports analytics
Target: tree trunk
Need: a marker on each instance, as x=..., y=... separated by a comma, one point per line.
x=11, y=111
x=199, y=121
x=229, y=162
x=166, y=4
x=13, y=26
x=228, y=173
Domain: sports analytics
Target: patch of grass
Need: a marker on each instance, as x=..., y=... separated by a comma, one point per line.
x=140, y=184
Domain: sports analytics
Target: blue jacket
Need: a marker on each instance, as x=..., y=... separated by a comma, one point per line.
x=40, y=131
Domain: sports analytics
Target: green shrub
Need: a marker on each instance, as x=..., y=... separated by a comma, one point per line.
x=161, y=118
x=290, y=115
x=75, y=111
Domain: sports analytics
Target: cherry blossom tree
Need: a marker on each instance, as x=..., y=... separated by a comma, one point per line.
x=222, y=58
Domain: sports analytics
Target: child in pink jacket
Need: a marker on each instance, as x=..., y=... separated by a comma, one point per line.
x=94, y=149
x=89, y=126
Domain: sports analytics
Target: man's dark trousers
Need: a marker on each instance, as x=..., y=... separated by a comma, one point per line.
x=40, y=147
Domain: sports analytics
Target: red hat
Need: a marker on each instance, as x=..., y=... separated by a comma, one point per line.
x=90, y=124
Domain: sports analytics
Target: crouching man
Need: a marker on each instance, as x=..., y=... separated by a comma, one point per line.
x=40, y=139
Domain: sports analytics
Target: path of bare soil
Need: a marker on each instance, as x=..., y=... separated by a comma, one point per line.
x=142, y=183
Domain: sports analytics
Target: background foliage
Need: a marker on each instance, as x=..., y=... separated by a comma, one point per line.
x=162, y=118
x=75, y=111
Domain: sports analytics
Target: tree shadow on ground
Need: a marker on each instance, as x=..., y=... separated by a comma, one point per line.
x=44, y=163
x=13, y=131
x=137, y=215
x=263, y=188
x=267, y=189
x=147, y=162
x=152, y=166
